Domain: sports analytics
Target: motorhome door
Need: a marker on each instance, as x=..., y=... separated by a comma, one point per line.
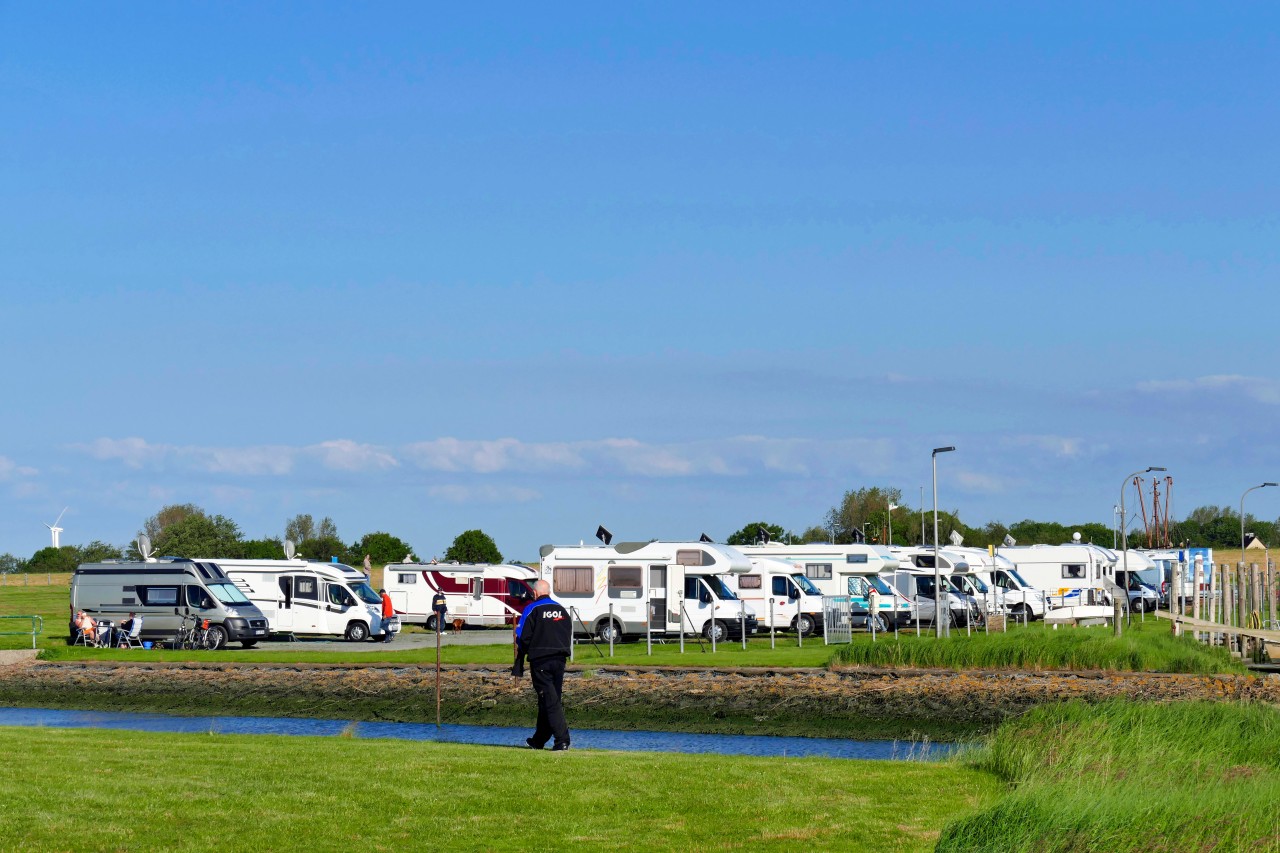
x=658, y=598
x=284, y=606
x=306, y=604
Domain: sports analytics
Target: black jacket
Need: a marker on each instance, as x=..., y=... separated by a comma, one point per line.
x=544, y=631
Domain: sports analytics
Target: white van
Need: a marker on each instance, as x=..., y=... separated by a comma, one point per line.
x=914, y=578
x=312, y=598
x=666, y=587
x=853, y=570
x=1022, y=601
x=162, y=592
x=479, y=594
x=775, y=590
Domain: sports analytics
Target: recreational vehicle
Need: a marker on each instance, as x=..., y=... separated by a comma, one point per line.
x=853, y=570
x=312, y=598
x=162, y=592
x=624, y=589
x=1183, y=560
x=1022, y=601
x=478, y=594
x=966, y=605
x=782, y=597
x=1072, y=574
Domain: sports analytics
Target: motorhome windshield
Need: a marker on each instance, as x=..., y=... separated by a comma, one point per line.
x=1019, y=578
x=227, y=593
x=721, y=591
x=365, y=593
x=806, y=585
x=860, y=584
x=978, y=584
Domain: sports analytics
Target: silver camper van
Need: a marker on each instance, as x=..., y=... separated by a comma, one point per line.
x=162, y=592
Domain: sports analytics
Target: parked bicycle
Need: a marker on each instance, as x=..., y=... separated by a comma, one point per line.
x=185, y=636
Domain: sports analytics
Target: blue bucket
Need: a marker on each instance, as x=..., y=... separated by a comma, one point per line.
x=146, y=644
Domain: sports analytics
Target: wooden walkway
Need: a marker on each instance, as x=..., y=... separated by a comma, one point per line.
x=1213, y=627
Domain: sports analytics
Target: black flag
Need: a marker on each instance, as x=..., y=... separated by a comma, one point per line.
x=705, y=538
x=604, y=535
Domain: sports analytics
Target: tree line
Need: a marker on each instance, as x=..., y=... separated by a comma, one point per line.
x=864, y=515
x=187, y=530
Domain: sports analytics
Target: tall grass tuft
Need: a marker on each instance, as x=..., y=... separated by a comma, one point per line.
x=1149, y=648
x=1129, y=776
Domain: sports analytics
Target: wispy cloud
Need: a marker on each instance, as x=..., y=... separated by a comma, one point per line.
x=971, y=481
x=1057, y=445
x=346, y=455
x=255, y=460
x=1259, y=389
x=484, y=493
x=10, y=469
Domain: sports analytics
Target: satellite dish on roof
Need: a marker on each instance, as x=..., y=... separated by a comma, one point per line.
x=144, y=546
x=289, y=549
x=1009, y=541
x=956, y=539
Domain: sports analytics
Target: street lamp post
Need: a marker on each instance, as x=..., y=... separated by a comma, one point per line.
x=892, y=507
x=1124, y=535
x=1247, y=491
x=937, y=570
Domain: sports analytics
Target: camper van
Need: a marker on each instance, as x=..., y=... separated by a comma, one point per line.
x=916, y=573
x=162, y=592
x=312, y=598
x=853, y=570
x=1167, y=561
x=1022, y=601
x=1072, y=574
x=664, y=587
x=783, y=598
x=479, y=594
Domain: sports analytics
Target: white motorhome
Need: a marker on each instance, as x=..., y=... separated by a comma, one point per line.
x=162, y=592
x=480, y=594
x=1074, y=574
x=782, y=597
x=853, y=570
x=1022, y=601
x=665, y=587
x=915, y=578
x=312, y=598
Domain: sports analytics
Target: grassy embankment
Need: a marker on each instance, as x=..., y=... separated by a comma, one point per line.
x=99, y=790
x=1130, y=776
x=1146, y=646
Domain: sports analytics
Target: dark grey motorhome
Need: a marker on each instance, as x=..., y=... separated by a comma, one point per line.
x=162, y=592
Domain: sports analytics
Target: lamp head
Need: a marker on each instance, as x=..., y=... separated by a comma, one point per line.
x=1154, y=468
x=938, y=450
x=1266, y=484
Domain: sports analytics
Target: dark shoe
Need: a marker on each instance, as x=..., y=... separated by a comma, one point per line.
x=560, y=747
x=533, y=745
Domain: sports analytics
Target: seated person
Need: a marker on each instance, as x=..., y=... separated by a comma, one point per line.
x=88, y=627
x=127, y=628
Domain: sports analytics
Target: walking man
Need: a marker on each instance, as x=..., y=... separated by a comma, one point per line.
x=543, y=636
x=387, y=612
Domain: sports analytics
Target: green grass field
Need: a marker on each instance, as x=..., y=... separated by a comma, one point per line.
x=100, y=790
x=1131, y=776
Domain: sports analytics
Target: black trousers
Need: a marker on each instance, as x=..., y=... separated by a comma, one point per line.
x=548, y=679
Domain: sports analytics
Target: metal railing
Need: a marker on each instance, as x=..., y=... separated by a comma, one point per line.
x=37, y=626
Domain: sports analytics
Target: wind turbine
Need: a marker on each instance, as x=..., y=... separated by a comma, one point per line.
x=54, y=529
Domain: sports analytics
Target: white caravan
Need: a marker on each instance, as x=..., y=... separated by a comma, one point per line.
x=1022, y=601
x=666, y=587
x=782, y=597
x=1069, y=575
x=479, y=594
x=312, y=598
x=853, y=570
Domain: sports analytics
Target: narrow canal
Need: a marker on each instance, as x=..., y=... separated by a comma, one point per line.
x=631, y=741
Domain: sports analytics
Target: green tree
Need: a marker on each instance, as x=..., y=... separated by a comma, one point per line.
x=381, y=547
x=325, y=548
x=300, y=528
x=50, y=559
x=473, y=546
x=200, y=535
x=262, y=549
x=750, y=534
x=815, y=534
x=865, y=509
x=171, y=514
x=97, y=552
x=10, y=564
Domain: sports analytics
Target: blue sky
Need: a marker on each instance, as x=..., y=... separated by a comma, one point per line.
x=664, y=268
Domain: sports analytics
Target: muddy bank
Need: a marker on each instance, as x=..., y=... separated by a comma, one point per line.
x=850, y=702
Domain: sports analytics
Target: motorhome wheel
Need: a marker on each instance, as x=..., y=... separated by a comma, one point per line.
x=607, y=630
x=717, y=627
x=431, y=622
x=357, y=632
x=804, y=624
x=1021, y=613
x=216, y=638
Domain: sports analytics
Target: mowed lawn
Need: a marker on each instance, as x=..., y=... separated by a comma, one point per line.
x=81, y=790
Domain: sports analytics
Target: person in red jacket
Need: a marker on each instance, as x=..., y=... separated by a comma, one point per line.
x=387, y=612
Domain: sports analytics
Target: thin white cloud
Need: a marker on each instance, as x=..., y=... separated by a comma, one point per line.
x=1259, y=389
x=346, y=455
x=971, y=481
x=1058, y=445
x=484, y=493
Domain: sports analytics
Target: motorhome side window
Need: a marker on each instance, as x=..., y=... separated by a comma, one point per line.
x=625, y=581
x=572, y=580
x=817, y=571
x=694, y=557
x=695, y=590
x=406, y=578
x=1075, y=571
x=780, y=587
x=750, y=582
x=340, y=597
x=158, y=596
x=305, y=588
x=858, y=586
